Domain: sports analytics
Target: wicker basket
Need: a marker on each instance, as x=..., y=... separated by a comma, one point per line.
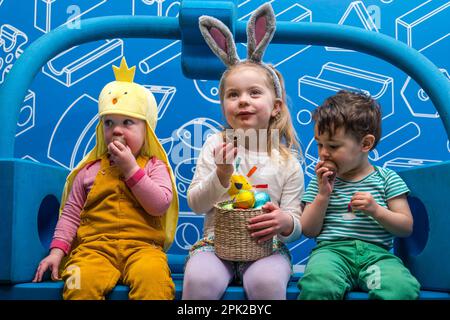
x=232, y=240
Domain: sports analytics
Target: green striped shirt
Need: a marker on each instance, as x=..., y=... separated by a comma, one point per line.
x=383, y=184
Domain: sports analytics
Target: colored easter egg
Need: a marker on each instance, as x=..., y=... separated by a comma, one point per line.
x=245, y=199
x=228, y=206
x=260, y=199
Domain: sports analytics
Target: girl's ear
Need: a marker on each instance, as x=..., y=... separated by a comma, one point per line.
x=276, y=107
x=367, y=142
x=260, y=30
x=219, y=38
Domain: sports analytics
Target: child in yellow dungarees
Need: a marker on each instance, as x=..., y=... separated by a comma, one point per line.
x=119, y=206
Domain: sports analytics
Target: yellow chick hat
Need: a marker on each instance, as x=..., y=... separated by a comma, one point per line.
x=125, y=97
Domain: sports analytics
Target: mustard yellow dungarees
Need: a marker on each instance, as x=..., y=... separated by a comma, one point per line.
x=117, y=241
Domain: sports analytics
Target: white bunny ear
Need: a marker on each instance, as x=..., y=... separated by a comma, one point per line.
x=219, y=38
x=260, y=30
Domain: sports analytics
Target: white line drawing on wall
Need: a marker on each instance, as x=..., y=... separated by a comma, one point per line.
x=184, y=146
x=208, y=89
x=304, y=117
x=163, y=96
x=249, y=6
x=448, y=146
x=173, y=9
x=387, y=1
x=194, y=133
x=27, y=113
x=400, y=162
x=300, y=243
x=356, y=15
x=299, y=266
x=187, y=234
x=30, y=158
x=191, y=137
x=184, y=172
x=11, y=42
x=311, y=158
x=420, y=105
x=71, y=140
x=423, y=26
x=160, y=57
x=48, y=13
x=295, y=13
x=334, y=77
x=155, y=8
x=79, y=62
x=395, y=140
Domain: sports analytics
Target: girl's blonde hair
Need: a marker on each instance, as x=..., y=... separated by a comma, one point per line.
x=288, y=141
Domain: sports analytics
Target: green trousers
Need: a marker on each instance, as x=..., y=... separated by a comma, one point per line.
x=336, y=267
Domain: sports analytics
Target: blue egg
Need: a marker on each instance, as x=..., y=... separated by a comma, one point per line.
x=260, y=199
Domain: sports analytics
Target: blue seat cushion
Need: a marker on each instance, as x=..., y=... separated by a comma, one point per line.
x=52, y=290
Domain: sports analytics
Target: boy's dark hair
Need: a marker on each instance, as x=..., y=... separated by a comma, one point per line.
x=357, y=113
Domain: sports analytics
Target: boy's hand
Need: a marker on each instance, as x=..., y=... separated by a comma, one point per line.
x=273, y=222
x=224, y=155
x=364, y=202
x=123, y=158
x=52, y=262
x=325, y=179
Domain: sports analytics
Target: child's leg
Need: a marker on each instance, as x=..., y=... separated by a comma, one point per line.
x=267, y=278
x=328, y=274
x=385, y=277
x=89, y=274
x=147, y=272
x=206, y=277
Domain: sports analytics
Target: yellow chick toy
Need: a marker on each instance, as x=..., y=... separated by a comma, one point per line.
x=238, y=183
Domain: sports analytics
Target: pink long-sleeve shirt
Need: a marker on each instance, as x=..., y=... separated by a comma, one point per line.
x=151, y=186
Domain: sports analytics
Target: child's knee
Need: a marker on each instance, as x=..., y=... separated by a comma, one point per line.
x=200, y=282
x=86, y=283
x=399, y=288
x=267, y=287
x=320, y=286
x=201, y=286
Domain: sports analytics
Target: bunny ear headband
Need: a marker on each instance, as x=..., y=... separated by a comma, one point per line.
x=260, y=30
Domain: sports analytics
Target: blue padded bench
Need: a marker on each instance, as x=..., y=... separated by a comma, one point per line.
x=52, y=290
x=21, y=232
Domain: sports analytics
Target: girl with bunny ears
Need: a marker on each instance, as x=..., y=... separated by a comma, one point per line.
x=253, y=98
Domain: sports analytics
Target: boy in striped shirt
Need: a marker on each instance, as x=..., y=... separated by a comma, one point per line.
x=354, y=209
